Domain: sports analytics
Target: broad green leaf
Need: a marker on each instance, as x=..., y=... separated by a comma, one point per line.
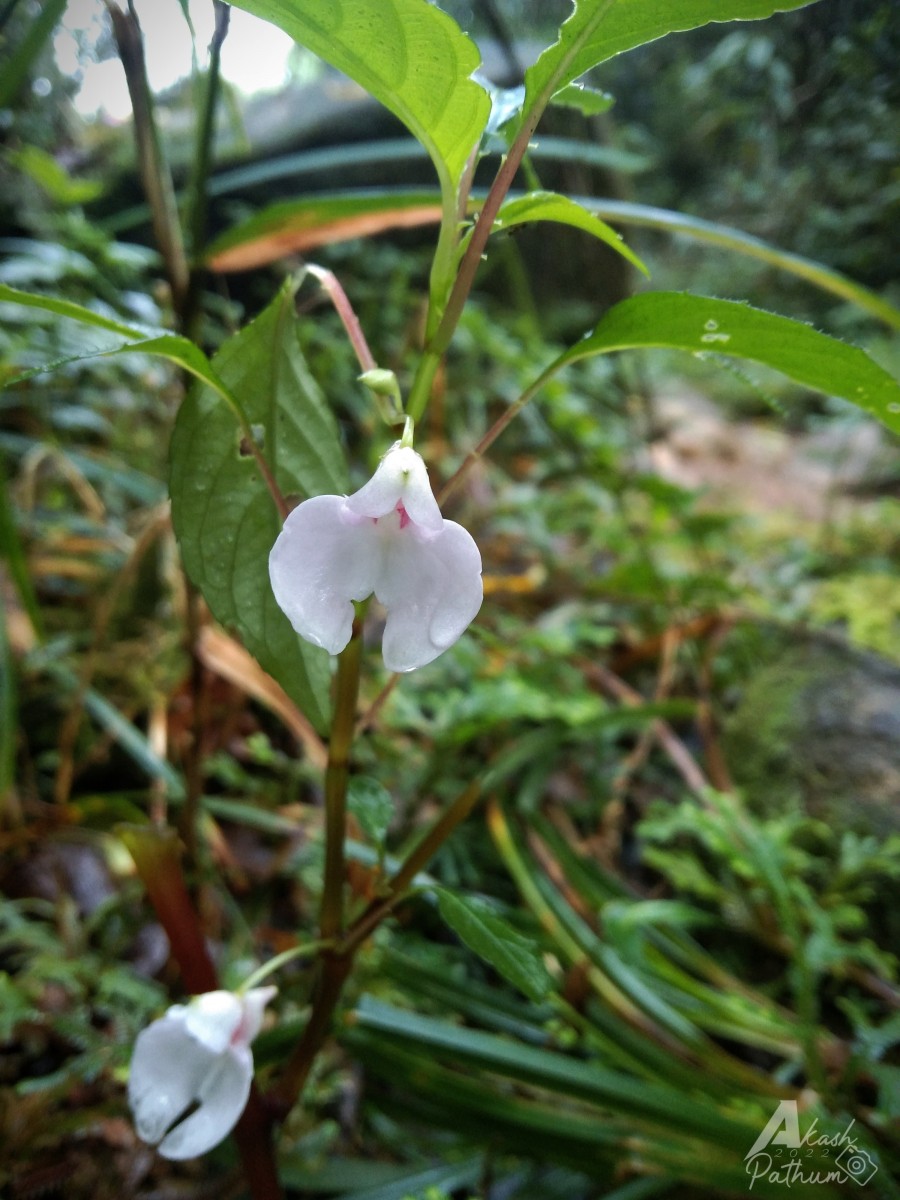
x=271, y=233
x=141, y=340
x=702, y=325
x=409, y=55
x=549, y=206
x=370, y=802
x=486, y=934
x=296, y=226
x=711, y=233
x=599, y=29
x=224, y=516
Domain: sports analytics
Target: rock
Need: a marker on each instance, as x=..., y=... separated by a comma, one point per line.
x=821, y=725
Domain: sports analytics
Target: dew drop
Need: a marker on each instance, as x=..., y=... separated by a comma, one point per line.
x=711, y=324
x=894, y=408
x=709, y=338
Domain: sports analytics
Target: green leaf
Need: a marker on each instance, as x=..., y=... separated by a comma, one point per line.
x=586, y=100
x=711, y=233
x=486, y=934
x=141, y=340
x=66, y=308
x=271, y=233
x=549, y=206
x=409, y=55
x=700, y=325
x=373, y=807
x=598, y=30
x=223, y=514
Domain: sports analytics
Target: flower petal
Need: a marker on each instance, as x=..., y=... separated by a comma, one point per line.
x=254, y=1003
x=222, y=1096
x=168, y=1068
x=212, y=1018
x=432, y=590
x=401, y=477
x=324, y=558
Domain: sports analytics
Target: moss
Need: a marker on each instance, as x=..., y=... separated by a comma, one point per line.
x=820, y=727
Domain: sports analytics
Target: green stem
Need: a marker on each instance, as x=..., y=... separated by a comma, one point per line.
x=331, y=923
x=440, y=332
x=306, y=950
x=471, y=260
x=338, y=961
x=420, y=392
x=416, y=862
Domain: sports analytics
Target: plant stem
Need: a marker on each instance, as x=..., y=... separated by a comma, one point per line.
x=155, y=175
x=439, y=337
x=490, y=437
x=331, y=922
x=418, y=859
x=330, y=283
x=337, y=961
x=335, y=969
x=197, y=208
x=206, y=127
x=335, y=965
x=482, y=231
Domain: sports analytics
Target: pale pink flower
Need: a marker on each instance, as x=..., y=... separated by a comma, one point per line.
x=390, y=539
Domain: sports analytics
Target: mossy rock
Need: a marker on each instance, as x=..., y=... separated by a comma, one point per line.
x=820, y=726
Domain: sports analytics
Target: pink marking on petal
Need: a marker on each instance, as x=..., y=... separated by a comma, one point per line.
x=404, y=515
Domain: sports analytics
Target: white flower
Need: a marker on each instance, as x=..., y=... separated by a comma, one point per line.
x=191, y=1071
x=388, y=538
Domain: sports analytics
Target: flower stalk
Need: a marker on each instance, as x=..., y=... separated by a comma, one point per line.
x=331, y=922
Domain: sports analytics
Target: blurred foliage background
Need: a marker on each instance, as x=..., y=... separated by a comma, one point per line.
x=682, y=692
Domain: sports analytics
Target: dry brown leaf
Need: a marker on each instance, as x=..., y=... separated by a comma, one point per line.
x=302, y=236
x=227, y=658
